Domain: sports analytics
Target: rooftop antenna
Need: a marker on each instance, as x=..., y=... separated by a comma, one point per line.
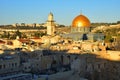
x=80, y=12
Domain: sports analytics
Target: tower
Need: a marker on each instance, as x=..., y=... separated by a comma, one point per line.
x=50, y=25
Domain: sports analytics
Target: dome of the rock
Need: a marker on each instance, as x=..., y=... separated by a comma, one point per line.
x=81, y=21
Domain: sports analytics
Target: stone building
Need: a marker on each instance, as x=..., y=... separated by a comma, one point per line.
x=9, y=64
x=81, y=30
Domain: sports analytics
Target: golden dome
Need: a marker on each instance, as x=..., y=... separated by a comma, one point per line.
x=81, y=21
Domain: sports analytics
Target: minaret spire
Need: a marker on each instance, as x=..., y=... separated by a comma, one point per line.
x=50, y=24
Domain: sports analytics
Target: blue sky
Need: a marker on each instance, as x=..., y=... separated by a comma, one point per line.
x=36, y=11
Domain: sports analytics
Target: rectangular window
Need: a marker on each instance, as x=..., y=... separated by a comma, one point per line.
x=12, y=64
x=15, y=64
x=98, y=66
x=4, y=66
x=0, y=66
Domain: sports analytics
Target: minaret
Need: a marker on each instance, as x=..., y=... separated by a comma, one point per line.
x=50, y=25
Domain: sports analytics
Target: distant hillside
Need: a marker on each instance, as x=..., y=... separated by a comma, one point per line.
x=110, y=31
x=105, y=24
x=63, y=29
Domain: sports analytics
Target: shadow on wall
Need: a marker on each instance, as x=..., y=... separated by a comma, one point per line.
x=92, y=67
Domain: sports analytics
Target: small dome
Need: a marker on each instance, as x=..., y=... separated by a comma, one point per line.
x=81, y=21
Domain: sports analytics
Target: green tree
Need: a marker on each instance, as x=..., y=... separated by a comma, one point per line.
x=39, y=34
x=5, y=35
x=18, y=33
